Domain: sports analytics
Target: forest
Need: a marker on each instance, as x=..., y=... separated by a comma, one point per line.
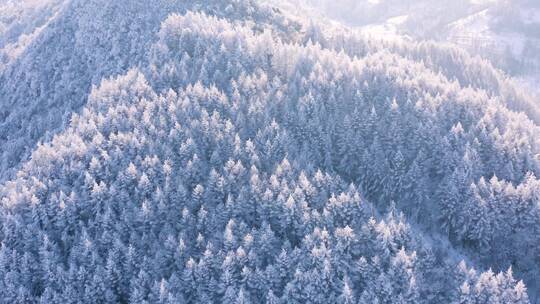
x=231, y=152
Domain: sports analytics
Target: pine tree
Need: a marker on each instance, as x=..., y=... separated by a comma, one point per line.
x=347, y=295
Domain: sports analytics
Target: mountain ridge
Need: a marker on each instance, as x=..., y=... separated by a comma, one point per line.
x=249, y=139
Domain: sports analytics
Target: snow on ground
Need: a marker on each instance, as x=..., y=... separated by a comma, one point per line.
x=387, y=30
x=475, y=32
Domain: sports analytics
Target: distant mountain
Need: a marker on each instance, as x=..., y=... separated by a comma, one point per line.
x=234, y=152
x=505, y=32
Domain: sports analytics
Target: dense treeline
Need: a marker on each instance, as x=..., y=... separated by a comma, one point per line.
x=160, y=199
x=235, y=170
x=84, y=43
x=399, y=131
x=452, y=62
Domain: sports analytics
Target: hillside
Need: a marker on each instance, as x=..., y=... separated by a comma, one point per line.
x=87, y=41
x=232, y=152
x=507, y=33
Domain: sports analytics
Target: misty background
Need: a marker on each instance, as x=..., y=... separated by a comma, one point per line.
x=507, y=33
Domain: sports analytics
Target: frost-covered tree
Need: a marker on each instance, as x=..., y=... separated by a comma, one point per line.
x=234, y=165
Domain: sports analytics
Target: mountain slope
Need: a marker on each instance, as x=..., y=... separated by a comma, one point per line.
x=506, y=33
x=232, y=162
x=203, y=180
x=445, y=57
x=365, y=108
x=20, y=23
x=88, y=41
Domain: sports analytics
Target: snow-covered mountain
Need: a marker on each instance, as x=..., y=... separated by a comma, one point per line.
x=52, y=74
x=236, y=152
x=505, y=32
